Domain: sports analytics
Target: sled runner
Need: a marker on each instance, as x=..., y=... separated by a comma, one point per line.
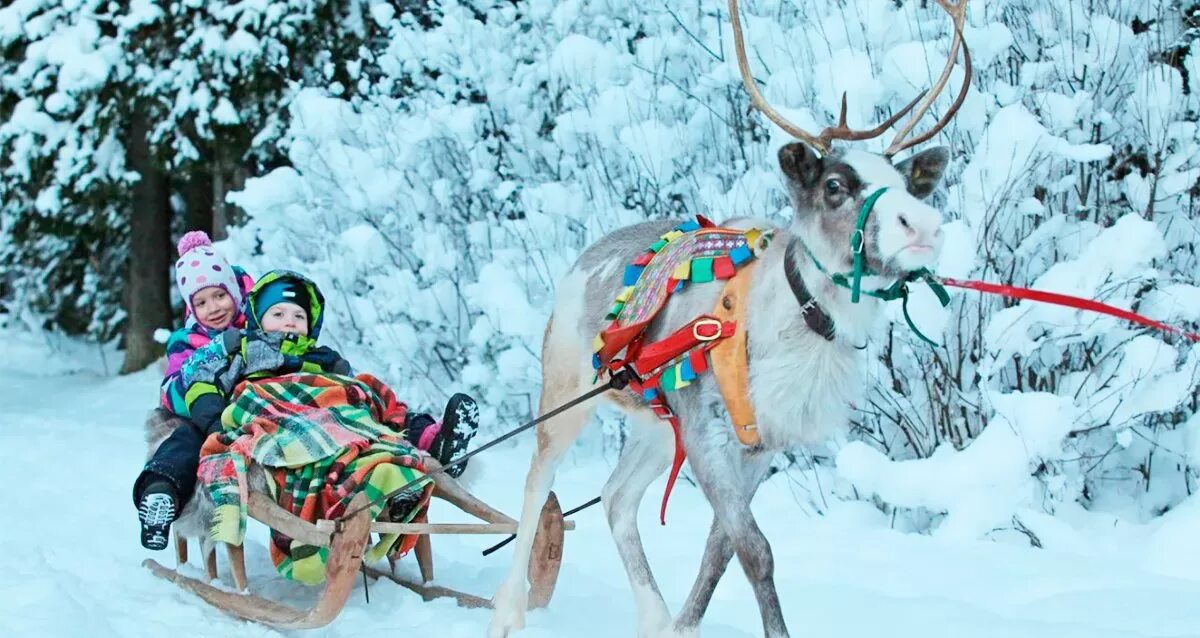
x=347, y=541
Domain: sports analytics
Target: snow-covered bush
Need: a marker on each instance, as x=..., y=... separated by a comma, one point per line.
x=439, y=206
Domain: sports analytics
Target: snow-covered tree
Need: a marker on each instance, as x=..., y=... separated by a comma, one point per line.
x=119, y=116
x=63, y=166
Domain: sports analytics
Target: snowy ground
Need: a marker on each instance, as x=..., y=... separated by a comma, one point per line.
x=71, y=445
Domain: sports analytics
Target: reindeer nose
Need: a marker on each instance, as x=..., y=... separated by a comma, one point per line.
x=921, y=221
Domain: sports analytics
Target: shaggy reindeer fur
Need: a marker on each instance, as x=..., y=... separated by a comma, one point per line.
x=800, y=383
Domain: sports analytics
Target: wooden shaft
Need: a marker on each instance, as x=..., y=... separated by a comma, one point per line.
x=450, y=490
x=424, y=551
x=436, y=528
x=263, y=509
x=237, y=565
x=210, y=564
x=181, y=549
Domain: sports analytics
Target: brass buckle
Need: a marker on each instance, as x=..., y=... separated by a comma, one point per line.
x=706, y=322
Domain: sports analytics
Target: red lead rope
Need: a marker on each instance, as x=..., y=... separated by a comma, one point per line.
x=1064, y=300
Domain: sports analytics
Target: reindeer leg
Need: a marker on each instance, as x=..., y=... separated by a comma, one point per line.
x=729, y=478
x=647, y=454
x=554, y=439
x=717, y=553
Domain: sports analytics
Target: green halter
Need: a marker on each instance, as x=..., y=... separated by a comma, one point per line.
x=853, y=279
x=858, y=240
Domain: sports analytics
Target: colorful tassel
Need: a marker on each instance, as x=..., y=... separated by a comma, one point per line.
x=686, y=372
x=740, y=255
x=702, y=270
x=668, y=379
x=723, y=267
x=632, y=273
x=682, y=271
x=681, y=383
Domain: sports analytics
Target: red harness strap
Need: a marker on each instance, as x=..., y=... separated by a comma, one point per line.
x=1069, y=301
x=694, y=339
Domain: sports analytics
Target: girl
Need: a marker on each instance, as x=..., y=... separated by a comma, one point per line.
x=212, y=292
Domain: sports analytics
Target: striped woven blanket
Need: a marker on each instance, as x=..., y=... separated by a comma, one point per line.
x=323, y=438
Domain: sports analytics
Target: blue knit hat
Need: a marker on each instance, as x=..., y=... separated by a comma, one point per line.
x=285, y=285
x=281, y=291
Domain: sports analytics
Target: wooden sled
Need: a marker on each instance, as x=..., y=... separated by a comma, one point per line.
x=348, y=541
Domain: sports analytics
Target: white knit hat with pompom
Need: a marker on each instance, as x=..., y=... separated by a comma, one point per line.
x=199, y=267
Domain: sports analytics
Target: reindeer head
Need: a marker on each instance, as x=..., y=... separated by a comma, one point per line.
x=901, y=233
x=845, y=198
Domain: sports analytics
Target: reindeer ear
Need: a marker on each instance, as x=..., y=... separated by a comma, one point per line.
x=923, y=171
x=800, y=163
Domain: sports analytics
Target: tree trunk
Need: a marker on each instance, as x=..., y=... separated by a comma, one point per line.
x=197, y=201
x=150, y=253
x=220, y=212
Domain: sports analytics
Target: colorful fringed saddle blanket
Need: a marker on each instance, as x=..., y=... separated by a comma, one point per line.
x=323, y=438
x=694, y=252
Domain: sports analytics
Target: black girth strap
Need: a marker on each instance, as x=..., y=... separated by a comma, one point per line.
x=814, y=316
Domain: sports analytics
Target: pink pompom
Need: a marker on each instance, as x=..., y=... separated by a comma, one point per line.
x=193, y=239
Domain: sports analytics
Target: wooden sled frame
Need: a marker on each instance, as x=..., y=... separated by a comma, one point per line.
x=346, y=547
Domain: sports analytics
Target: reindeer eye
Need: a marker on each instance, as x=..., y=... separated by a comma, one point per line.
x=833, y=186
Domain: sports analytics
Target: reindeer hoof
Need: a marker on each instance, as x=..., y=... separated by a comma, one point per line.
x=655, y=622
x=675, y=632
x=509, y=615
x=502, y=628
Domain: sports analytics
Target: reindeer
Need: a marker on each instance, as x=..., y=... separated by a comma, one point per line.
x=804, y=347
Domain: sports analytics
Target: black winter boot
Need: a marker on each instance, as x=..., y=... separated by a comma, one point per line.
x=157, y=510
x=459, y=423
x=402, y=505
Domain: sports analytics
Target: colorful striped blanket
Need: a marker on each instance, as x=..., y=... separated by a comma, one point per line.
x=323, y=438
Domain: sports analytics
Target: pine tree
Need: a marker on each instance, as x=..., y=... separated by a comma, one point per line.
x=171, y=100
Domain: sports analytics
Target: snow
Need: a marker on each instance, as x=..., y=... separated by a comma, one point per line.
x=438, y=223
x=226, y=113
x=78, y=572
x=980, y=486
x=581, y=61
x=1120, y=252
x=1173, y=303
x=382, y=13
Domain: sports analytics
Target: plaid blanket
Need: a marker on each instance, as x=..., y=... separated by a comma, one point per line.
x=323, y=438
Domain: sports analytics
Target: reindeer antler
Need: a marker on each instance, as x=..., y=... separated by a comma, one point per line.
x=756, y=98
x=821, y=142
x=958, y=14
